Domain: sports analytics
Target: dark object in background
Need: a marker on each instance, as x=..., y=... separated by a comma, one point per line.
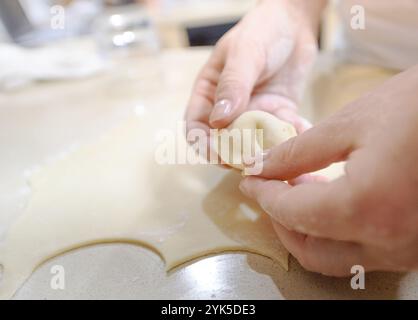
x=118, y=2
x=208, y=35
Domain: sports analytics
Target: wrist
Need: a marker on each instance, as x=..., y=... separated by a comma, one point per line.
x=309, y=12
x=306, y=13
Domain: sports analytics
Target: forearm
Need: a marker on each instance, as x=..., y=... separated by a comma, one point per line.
x=308, y=11
x=312, y=10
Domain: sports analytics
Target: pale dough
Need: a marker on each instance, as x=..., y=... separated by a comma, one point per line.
x=275, y=132
x=271, y=132
x=113, y=190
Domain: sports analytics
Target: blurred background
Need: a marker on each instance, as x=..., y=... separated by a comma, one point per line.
x=44, y=40
x=178, y=22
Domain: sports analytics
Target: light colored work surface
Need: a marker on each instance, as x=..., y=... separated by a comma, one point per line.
x=44, y=120
x=115, y=190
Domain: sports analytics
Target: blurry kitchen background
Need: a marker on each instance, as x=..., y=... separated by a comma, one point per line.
x=174, y=23
x=48, y=40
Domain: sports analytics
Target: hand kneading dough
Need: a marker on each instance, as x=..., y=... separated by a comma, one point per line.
x=113, y=190
x=273, y=132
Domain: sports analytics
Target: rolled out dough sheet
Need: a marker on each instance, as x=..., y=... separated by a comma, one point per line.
x=114, y=191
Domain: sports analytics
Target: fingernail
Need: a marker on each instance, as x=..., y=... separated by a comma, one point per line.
x=221, y=110
x=255, y=167
x=260, y=157
x=306, y=124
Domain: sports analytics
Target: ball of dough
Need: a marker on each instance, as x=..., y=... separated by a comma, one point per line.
x=263, y=131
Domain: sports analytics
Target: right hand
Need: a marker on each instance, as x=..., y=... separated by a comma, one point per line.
x=368, y=216
x=260, y=64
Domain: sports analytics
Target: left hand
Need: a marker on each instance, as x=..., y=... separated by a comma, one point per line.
x=260, y=64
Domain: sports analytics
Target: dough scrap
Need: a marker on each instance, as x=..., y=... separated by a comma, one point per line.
x=264, y=131
x=113, y=190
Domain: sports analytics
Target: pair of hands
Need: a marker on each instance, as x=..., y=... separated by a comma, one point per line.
x=367, y=217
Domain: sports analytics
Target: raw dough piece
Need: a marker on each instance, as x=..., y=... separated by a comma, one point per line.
x=114, y=190
x=265, y=131
x=275, y=132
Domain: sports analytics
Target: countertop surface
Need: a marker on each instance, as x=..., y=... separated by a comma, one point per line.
x=43, y=121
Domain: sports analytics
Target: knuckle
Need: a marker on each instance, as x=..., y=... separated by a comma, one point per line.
x=255, y=51
x=287, y=152
x=230, y=81
x=306, y=261
x=381, y=224
x=306, y=258
x=311, y=260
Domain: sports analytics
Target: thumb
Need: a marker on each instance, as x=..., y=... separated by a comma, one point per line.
x=315, y=149
x=236, y=82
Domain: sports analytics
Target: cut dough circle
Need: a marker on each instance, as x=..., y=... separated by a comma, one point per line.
x=249, y=135
x=113, y=190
